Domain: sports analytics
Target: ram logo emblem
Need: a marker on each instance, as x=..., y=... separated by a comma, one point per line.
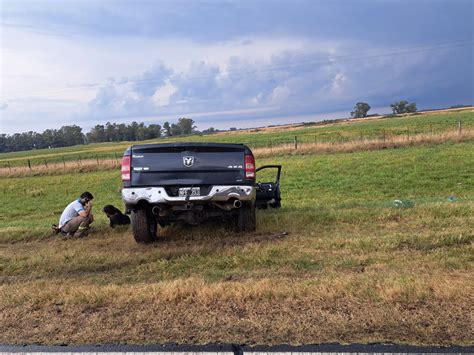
x=188, y=161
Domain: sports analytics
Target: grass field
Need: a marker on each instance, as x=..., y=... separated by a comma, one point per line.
x=352, y=267
x=404, y=126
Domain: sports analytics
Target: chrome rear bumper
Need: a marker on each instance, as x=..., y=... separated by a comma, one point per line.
x=157, y=195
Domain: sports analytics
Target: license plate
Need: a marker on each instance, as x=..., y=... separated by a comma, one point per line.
x=189, y=191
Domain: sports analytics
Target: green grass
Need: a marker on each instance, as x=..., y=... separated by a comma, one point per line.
x=352, y=268
x=396, y=126
x=41, y=201
x=425, y=174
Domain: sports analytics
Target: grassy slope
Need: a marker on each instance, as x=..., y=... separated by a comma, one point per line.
x=426, y=123
x=371, y=179
x=352, y=269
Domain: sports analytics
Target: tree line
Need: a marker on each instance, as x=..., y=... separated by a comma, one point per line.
x=110, y=132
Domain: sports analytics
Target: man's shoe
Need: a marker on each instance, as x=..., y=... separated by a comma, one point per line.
x=82, y=232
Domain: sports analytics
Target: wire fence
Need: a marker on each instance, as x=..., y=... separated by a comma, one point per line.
x=262, y=148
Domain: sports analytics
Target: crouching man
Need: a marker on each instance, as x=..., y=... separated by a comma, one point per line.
x=77, y=216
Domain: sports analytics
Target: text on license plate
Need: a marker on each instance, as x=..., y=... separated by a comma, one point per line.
x=189, y=191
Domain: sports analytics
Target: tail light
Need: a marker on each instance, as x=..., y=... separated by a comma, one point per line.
x=249, y=167
x=126, y=168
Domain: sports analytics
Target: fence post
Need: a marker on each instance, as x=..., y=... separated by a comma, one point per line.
x=29, y=164
x=45, y=163
x=9, y=167
x=64, y=163
x=408, y=133
x=97, y=158
x=80, y=162
x=116, y=159
x=296, y=142
x=384, y=136
x=361, y=136
x=431, y=129
x=459, y=127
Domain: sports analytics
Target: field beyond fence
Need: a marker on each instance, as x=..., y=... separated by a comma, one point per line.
x=294, y=146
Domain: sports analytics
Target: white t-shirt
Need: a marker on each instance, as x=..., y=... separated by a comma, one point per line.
x=72, y=210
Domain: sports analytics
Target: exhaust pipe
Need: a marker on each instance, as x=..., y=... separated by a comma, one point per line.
x=156, y=210
x=160, y=210
x=229, y=205
x=237, y=204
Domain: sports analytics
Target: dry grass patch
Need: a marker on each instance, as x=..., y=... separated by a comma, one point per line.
x=436, y=312
x=392, y=142
x=78, y=166
x=382, y=279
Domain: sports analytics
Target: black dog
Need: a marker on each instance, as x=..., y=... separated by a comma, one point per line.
x=116, y=217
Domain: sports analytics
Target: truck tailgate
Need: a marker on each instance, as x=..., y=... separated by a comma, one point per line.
x=188, y=165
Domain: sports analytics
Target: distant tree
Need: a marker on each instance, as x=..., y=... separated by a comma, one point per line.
x=360, y=110
x=121, y=131
x=132, y=131
x=3, y=143
x=210, y=130
x=403, y=107
x=186, y=125
x=110, y=131
x=154, y=131
x=141, y=132
x=70, y=135
x=411, y=107
x=167, y=128
x=175, y=130
x=233, y=128
x=96, y=134
x=459, y=106
x=47, y=138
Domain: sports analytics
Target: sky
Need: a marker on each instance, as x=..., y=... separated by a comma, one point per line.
x=243, y=63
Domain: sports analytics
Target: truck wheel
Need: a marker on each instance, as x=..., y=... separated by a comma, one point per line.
x=142, y=227
x=246, y=219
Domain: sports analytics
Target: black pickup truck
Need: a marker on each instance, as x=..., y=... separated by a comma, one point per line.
x=191, y=183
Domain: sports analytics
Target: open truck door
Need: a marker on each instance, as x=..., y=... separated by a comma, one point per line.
x=268, y=193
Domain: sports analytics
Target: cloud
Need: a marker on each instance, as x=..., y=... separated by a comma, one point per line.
x=290, y=82
x=280, y=94
x=200, y=81
x=337, y=84
x=163, y=94
x=152, y=79
x=125, y=62
x=210, y=21
x=106, y=98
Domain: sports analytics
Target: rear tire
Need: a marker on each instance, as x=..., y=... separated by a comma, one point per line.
x=246, y=219
x=142, y=227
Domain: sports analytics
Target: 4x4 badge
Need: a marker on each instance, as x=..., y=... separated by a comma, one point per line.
x=188, y=161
